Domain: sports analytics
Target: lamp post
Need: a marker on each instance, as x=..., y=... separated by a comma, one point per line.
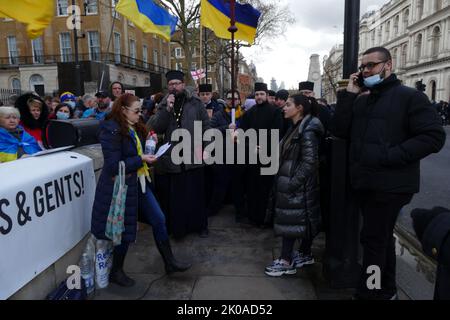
x=342, y=221
x=79, y=86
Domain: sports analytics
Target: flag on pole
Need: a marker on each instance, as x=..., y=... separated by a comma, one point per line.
x=37, y=15
x=199, y=74
x=215, y=15
x=148, y=16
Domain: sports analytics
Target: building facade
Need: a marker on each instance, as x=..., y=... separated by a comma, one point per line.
x=46, y=64
x=417, y=32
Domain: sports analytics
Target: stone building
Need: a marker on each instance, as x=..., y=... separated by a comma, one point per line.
x=46, y=64
x=417, y=33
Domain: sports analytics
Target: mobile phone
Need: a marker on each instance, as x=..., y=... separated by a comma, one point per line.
x=360, y=81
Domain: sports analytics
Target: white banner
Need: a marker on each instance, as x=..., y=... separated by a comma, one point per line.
x=45, y=210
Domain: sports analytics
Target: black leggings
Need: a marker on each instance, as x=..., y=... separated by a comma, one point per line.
x=288, y=247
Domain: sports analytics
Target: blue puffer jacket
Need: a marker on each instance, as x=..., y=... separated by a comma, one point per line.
x=115, y=149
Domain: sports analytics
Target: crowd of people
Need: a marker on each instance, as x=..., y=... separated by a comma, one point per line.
x=389, y=127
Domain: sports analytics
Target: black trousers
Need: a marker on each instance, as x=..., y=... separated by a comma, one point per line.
x=258, y=191
x=226, y=179
x=380, y=212
x=182, y=199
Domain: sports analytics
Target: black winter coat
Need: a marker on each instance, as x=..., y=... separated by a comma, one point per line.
x=390, y=131
x=165, y=123
x=297, y=193
x=115, y=149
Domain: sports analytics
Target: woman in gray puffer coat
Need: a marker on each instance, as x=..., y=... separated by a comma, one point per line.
x=296, y=203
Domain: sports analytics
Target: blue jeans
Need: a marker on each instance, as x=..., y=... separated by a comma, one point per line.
x=151, y=211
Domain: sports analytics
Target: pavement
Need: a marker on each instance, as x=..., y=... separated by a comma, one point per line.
x=229, y=265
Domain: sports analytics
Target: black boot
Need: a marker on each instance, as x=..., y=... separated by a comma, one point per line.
x=117, y=275
x=171, y=264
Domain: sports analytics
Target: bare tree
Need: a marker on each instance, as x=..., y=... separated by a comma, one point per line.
x=272, y=23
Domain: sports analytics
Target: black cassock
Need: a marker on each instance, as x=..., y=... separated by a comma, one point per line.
x=258, y=187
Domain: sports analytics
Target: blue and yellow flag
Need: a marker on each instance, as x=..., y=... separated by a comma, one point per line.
x=37, y=15
x=149, y=17
x=215, y=15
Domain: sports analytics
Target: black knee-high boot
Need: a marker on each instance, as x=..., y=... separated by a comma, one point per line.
x=171, y=264
x=117, y=275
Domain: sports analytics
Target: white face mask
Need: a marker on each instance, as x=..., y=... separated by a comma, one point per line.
x=374, y=80
x=72, y=104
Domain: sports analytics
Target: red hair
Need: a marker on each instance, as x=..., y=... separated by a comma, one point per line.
x=126, y=100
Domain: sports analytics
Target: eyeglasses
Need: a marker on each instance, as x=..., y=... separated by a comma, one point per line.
x=135, y=111
x=173, y=84
x=370, y=65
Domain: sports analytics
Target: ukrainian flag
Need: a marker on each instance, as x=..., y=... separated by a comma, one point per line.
x=215, y=15
x=37, y=15
x=149, y=17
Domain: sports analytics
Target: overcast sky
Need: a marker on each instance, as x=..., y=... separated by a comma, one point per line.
x=319, y=26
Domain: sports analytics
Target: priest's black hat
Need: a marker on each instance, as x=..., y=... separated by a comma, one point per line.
x=259, y=86
x=205, y=88
x=306, y=85
x=174, y=75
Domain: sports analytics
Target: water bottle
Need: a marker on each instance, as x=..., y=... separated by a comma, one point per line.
x=150, y=144
x=87, y=272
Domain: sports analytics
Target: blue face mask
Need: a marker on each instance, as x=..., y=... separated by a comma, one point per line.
x=62, y=115
x=372, y=81
x=72, y=104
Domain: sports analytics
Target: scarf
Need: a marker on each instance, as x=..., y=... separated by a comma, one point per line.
x=143, y=172
x=239, y=112
x=9, y=145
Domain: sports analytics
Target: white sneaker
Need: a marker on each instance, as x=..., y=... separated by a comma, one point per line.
x=280, y=267
x=300, y=260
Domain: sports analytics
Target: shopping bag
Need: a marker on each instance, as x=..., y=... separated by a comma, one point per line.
x=115, y=225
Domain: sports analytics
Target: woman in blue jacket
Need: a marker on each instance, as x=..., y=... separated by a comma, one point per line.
x=122, y=138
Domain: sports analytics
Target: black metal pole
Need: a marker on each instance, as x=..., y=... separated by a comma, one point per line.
x=341, y=261
x=351, y=37
x=206, y=54
x=233, y=29
x=77, y=62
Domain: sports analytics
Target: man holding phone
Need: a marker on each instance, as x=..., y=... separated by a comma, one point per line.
x=390, y=129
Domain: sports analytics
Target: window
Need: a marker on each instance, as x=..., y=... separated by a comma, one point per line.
x=134, y=81
x=178, y=53
x=209, y=81
x=37, y=84
x=164, y=60
x=15, y=84
x=388, y=31
x=155, y=57
x=420, y=5
x=437, y=5
x=12, y=50
x=396, y=23
x=436, y=39
x=380, y=35
x=94, y=46
x=62, y=6
x=38, y=50
x=179, y=66
x=404, y=55
x=147, y=81
x=91, y=7
x=194, y=66
x=65, y=47
x=210, y=67
x=145, y=56
x=418, y=47
x=395, y=59
x=117, y=47
x=132, y=52
x=406, y=19
x=113, y=9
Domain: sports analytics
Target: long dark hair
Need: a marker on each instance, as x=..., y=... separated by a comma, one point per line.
x=59, y=106
x=25, y=115
x=126, y=100
x=310, y=105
